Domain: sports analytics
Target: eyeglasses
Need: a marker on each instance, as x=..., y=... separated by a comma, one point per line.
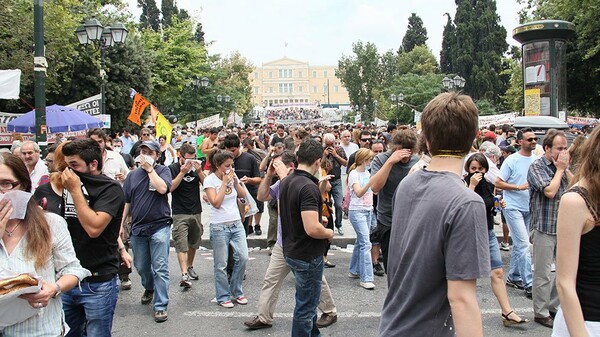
x=145, y=134
x=7, y=185
x=365, y=139
x=531, y=139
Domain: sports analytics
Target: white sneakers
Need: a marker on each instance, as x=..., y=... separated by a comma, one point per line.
x=367, y=285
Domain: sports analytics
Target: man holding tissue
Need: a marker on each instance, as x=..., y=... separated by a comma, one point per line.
x=146, y=189
x=93, y=209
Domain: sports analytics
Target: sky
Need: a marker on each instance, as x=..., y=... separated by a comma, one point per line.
x=320, y=32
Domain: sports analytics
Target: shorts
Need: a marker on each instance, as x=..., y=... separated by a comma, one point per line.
x=495, y=257
x=187, y=231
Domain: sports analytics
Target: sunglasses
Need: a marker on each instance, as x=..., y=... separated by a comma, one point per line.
x=145, y=134
x=365, y=139
x=531, y=139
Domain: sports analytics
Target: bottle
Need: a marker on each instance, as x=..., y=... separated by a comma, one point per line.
x=497, y=204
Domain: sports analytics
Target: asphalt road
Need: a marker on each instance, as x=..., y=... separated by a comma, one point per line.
x=192, y=314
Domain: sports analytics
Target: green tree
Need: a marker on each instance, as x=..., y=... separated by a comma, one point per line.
x=448, y=43
x=168, y=9
x=360, y=75
x=416, y=34
x=418, y=90
x=476, y=53
x=419, y=61
x=150, y=17
x=199, y=33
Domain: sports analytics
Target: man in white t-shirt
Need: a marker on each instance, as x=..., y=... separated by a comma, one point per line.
x=38, y=171
x=348, y=146
x=113, y=164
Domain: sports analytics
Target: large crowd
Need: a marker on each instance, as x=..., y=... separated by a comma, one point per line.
x=423, y=205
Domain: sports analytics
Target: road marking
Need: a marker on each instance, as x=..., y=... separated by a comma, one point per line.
x=348, y=314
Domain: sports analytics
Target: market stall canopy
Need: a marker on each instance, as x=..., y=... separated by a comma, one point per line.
x=58, y=119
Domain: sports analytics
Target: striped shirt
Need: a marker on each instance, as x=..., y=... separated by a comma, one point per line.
x=49, y=322
x=544, y=211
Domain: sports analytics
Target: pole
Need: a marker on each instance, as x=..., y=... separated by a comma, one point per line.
x=397, y=112
x=39, y=67
x=327, y=91
x=103, y=78
x=196, y=106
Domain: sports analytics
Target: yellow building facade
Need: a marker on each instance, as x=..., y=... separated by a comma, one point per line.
x=290, y=82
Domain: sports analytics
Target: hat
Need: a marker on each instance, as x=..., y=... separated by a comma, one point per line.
x=152, y=145
x=490, y=135
x=509, y=149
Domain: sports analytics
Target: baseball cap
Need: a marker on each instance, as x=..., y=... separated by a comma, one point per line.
x=490, y=135
x=152, y=145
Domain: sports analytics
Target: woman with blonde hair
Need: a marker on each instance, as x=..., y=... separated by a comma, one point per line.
x=362, y=218
x=578, y=248
x=39, y=244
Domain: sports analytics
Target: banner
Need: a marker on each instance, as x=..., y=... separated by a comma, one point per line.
x=213, y=121
x=163, y=127
x=153, y=114
x=417, y=119
x=5, y=136
x=508, y=118
x=533, y=102
x=10, y=84
x=90, y=105
x=137, y=109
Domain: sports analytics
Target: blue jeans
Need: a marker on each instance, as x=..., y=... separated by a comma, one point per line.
x=495, y=257
x=520, y=258
x=308, y=291
x=360, y=263
x=221, y=237
x=89, y=311
x=151, y=259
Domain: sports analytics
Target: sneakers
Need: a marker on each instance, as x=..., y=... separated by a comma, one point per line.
x=126, y=284
x=147, y=297
x=354, y=276
x=504, y=246
x=529, y=293
x=515, y=284
x=367, y=285
x=241, y=300
x=255, y=324
x=378, y=270
x=257, y=230
x=185, y=281
x=160, y=316
x=192, y=273
x=226, y=304
x=340, y=231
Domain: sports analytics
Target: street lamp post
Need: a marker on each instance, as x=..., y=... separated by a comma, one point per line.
x=397, y=99
x=92, y=31
x=454, y=84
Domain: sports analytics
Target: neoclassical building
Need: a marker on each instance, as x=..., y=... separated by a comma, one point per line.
x=290, y=82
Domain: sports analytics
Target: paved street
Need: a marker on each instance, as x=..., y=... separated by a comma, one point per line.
x=192, y=314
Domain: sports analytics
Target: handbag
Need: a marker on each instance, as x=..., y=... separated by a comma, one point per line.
x=346, y=200
x=247, y=205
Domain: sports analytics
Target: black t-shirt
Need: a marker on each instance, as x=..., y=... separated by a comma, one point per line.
x=186, y=197
x=54, y=202
x=99, y=255
x=246, y=165
x=276, y=139
x=299, y=192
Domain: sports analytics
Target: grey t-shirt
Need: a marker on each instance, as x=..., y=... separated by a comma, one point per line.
x=385, y=196
x=436, y=236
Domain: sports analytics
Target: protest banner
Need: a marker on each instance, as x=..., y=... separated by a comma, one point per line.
x=90, y=105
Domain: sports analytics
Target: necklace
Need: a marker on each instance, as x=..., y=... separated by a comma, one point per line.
x=10, y=233
x=448, y=156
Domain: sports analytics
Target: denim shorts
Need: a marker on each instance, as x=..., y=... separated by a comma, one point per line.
x=495, y=257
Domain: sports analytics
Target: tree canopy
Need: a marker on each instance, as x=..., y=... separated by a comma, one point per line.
x=416, y=34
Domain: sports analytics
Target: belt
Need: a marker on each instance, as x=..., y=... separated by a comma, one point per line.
x=99, y=278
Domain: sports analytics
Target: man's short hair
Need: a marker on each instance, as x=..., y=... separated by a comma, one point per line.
x=280, y=126
x=248, y=141
x=87, y=149
x=549, y=137
x=186, y=148
x=36, y=147
x=522, y=132
x=97, y=132
x=450, y=122
x=231, y=140
x=490, y=149
x=404, y=139
x=309, y=151
x=391, y=127
x=287, y=157
x=51, y=148
x=214, y=130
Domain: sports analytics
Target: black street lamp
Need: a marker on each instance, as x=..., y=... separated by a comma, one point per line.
x=92, y=31
x=456, y=83
x=397, y=99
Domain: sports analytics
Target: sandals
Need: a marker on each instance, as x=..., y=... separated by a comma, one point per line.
x=509, y=321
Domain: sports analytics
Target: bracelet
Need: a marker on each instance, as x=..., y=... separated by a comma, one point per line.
x=58, y=290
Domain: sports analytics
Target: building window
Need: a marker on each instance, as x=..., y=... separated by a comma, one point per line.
x=270, y=74
x=337, y=88
x=315, y=89
x=256, y=90
x=256, y=74
x=280, y=87
x=300, y=89
x=270, y=90
x=324, y=73
x=300, y=73
x=314, y=74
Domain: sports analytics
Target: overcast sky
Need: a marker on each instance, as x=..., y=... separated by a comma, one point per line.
x=320, y=31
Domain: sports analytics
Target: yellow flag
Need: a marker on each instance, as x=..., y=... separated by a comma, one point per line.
x=163, y=127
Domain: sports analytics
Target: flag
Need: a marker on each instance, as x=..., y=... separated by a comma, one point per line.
x=163, y=127
x=153, y=113
x=138, y=107
x=10, y=84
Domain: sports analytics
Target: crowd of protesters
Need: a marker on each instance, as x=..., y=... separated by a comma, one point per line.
x=423, y=205
x=294, y=114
